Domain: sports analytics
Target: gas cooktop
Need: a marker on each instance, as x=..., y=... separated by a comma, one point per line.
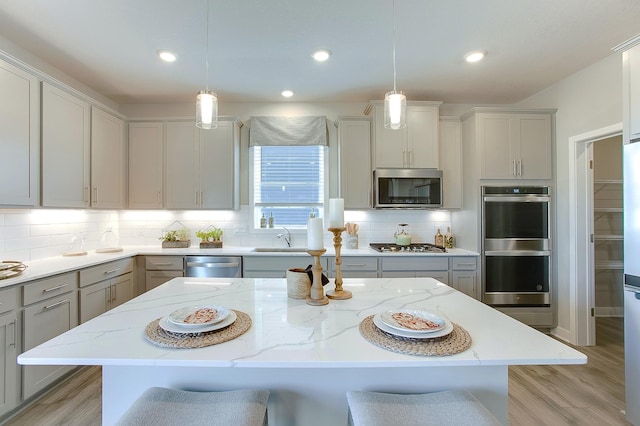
x=411, y=248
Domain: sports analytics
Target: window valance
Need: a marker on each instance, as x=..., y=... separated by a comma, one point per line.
x=288, y=131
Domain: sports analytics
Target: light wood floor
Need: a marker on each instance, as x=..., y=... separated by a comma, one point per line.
x=591, y=394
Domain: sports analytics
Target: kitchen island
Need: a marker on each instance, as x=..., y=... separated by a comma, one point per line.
x=307, y=356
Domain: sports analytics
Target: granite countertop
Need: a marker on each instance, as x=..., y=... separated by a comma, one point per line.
x=288, y=333
x=43, y=268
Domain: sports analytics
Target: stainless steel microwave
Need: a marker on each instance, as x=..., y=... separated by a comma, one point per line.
x=407, y=188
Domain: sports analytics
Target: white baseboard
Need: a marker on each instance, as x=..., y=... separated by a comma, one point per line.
x=563, y=334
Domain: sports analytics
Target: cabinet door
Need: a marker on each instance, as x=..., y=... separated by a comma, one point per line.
x=19, y=136
x=107, y=160
x=181, y=165
x=442, y=276
x=465, y=281
x=121, y=290
x=9, y=368
x=155, y=278
x=354, y=139
x=497, y=157
x=65, y=149
x=390, y=145
x=534, y=137
x=42, y=322
x=422, y=137
x=94, y=300
x=218, y=168
x=451, y=162
x=145, y=165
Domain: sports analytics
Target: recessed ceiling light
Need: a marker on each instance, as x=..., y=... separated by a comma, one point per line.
x=166, y=55
x=321, y=55
x=475, y=56
x=287, y=93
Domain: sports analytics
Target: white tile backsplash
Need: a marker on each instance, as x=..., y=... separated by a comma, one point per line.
x=39, y=233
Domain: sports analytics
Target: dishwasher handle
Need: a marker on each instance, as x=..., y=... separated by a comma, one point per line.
x=213, y=265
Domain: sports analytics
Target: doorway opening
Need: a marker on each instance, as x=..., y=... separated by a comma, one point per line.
x=581, y=257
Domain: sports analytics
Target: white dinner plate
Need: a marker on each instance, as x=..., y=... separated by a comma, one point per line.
x=174, y=328
x=446, y=330
x=177, y=317
x=387, y=318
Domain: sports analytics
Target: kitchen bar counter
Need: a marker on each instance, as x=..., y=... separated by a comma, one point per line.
x=43, y=268
x=308, y=356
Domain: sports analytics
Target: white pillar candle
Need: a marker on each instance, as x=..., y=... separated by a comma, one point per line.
x=336, y=213
x=314, y=234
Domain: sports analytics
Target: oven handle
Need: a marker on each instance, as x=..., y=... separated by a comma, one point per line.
x=519, y=199
x=518, y=253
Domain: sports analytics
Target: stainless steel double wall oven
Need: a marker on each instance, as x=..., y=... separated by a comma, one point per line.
x=516, y=245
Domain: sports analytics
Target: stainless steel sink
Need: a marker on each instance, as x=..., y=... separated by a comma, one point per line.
x=279, y=249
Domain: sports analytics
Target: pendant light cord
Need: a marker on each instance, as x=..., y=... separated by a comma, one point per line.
x=394, y=46
x=206, y=61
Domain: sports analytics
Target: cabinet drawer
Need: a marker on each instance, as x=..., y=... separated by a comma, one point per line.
x=160, y=263
x=105, y=271
x=8, y=299
x=463, y=263
x=415, y=263
x=356, y=263
x=278, y=263
x=49, y=287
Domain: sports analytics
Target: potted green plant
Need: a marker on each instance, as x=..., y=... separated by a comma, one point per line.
x=210, y=237
x=176, y=238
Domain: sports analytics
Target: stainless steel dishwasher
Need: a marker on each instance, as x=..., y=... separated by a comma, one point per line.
x=213, y=266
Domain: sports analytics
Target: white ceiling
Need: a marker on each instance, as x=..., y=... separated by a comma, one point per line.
x=260, y=47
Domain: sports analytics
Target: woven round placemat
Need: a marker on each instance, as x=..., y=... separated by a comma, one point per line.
x=166, y=339
x=455, y=342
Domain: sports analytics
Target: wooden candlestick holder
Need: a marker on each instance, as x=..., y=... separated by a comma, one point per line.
x=338, y=293
x=316, y=296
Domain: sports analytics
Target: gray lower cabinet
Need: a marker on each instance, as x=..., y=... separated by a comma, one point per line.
x=50, y=309
x=275, y=266
x=160, y=269
x=464, y=276
x=9, y=332
x=104, y=287
x=355, y=267
x=411, y=267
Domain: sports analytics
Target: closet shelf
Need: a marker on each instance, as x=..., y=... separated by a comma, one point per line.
x=608, y=210
x=608, y=237
x=610, y=265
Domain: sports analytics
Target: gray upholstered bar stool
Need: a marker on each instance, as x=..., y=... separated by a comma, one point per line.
x=455, y=408
x=161, y=406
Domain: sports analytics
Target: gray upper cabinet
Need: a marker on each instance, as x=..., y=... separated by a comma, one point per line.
x=145, y=165
x=19, y=136
x=202, y=166
x=354, y=157
x=65, y=149
x=108, y=161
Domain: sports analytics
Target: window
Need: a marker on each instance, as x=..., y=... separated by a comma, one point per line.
x=288, y=182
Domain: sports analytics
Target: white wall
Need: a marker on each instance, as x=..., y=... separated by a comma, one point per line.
x=588, y=100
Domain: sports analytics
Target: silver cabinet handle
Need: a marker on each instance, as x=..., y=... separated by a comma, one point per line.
x=95, y=194
x=466, y=264
x=514, y=172
x=519, y=167
x=85, y=194
x=15, y=332
x=111, y=271
x=62, y=302
x=58, y=287
x=356, y=264
x=212, y=265
x=163, y=264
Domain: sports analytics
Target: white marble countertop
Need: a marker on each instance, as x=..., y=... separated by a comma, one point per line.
x=42, y=268
x=288, y=333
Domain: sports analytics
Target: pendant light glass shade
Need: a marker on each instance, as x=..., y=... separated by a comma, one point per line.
x=395, y=110
x=206, y=110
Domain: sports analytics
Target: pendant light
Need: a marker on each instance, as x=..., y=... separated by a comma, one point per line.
x=207, y=101
x=395, y=102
